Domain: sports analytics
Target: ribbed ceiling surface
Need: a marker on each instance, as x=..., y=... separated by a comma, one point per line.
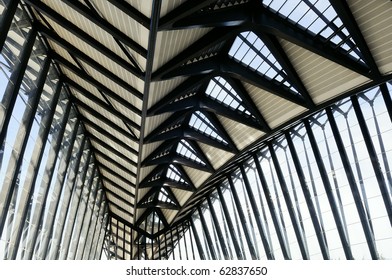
x=171, y=94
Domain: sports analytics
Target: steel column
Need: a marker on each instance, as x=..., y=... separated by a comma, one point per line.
x=308, y=198
x=218, y=229
x=373, y=157
x=207, y=234
x=241, y=214
x=328, y=190
x=197, y=240
x=353, y=185
x=255, y=209
x=272, y=209
x=6, y=22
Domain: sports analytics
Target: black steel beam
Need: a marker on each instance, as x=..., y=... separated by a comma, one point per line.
x=107, y=106
x=185, y=10
x=116, y=174
x=115, y=185
x=189, y=86
x=50, y=34
x=80, y=73
x=218, y=66
x=271, y=23
x=132, y=12
x=102, y=118
x=387, y=98
x=280, y=55
x=346, y=16
x=211, y=39
x=67, y=25
x=108, y=27
x=112, y=161
x=110, y=149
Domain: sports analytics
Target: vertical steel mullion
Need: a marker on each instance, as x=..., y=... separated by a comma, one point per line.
x=46, y=181
x=124, y=242
x=197, y=240
x=239, y=253
x=297, y=203
x=100, y=220
x=101, y=240
x=336, y=186
x=279, y=206
x=328, y=190
x=94, y=238
x=185, y=243
x=382, y=147
x=131, y=243
x=218, y=229
x=263, y=208
x=11, y=93
x=353, y=185
x=6, y=22
x=159, y=242
x=92, y=224
x=308, y=198
x=191, y=239
x=373, y=157
x=77, y=229
x=255, y=210
x=15, y=164
x=251, y=227
x=314, y=189
x=289, y=203
x=272, y=209
x=207, y=234
x=35, y=162
x=178, y=242
x=58, y=188
x=88, y=218
x=73, y=218
x=172, y=244
x=116, y=245
x=166, y=246
x=243, y=219
x=54, y=250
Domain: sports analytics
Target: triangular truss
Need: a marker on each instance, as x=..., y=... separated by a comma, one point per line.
x=168, y=175
x=161, y=197
x=152, y=222
x=185, y=152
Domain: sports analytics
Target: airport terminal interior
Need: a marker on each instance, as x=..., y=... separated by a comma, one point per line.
x=195, y=130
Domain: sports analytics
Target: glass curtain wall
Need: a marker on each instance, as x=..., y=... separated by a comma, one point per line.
x=52, y=204
x=320, y=190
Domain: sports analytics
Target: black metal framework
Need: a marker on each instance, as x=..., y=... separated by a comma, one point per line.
x=115, y=144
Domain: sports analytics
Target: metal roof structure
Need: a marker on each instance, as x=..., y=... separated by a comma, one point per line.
x=172, y=94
